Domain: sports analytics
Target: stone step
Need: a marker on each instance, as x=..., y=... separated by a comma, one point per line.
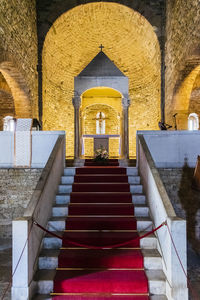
x=68, y=179
x=51, y=242
x=70, y=171
x=58, y=223
x=61, y=210
x=67, y=188
x=49, y=259
x=65, y=198
x=129, y=171
x=48, y=297
x=156, y=279
x=136, y=188
x=62, y=199
x=134, y=179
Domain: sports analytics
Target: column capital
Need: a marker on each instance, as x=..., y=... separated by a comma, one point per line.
x=76, y=101
x=125, y=102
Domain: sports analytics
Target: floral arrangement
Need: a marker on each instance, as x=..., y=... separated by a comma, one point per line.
x=101, y=154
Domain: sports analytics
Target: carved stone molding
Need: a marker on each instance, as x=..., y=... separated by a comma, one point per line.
x=126, y=102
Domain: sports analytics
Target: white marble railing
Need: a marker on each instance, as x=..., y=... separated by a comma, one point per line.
x=38, y=148
x=39, y=209
x=161, y=209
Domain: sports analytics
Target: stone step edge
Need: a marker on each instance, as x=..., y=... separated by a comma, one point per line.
x=156, y=280
x=48, y=297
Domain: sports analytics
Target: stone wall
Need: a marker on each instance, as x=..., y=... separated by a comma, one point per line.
x=18, y=42
x=194, y=106
x=186, y=202
x=16, y=188
x=182, y=50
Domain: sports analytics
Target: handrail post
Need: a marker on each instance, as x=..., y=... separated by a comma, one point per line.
x=20, y=283
x=39, y=208
x=161, y=209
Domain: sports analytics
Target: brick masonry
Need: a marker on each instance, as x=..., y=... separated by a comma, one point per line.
x=182, y=47
x=112, y=126
x=18, y=45
x=129, y=41
x=16, y=188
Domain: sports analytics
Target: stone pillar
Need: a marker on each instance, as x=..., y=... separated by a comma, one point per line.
x=76, y=102
x=125, y=138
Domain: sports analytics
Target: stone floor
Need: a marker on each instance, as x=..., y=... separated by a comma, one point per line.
x=5, y=266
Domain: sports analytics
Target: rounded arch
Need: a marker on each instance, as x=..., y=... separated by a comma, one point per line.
x=103, y=90
x=182, y=98
x=102, y=95
x=18, y=89
x=193, y=121
x=72, y=42
x=89, y=117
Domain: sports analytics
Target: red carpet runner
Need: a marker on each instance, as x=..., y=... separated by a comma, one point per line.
x=101, y=213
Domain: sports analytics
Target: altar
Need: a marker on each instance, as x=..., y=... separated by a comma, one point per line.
x=96, y=141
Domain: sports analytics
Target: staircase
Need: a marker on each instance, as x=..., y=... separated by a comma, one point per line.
x=103, y=205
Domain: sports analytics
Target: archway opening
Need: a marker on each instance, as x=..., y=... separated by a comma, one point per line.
x=14, y=99
x=187, y=99
x=73, y=41
x=7, y=107
x=101, y=115
x=193, y=121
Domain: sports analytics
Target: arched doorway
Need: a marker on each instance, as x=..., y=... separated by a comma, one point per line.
x=101, y=116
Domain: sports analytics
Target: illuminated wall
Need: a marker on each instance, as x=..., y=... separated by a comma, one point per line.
x=187, y=98
x=73, y=41
x=107, y=101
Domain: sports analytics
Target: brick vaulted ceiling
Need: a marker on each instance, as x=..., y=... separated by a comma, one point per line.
x=72, y=42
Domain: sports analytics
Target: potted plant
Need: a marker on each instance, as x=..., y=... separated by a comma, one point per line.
x=101, y=156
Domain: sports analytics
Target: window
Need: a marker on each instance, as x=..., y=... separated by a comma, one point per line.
x=193, y=122
x=8, y=123
x=100, y=123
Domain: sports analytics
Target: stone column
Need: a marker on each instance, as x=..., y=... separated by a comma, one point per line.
x=125, y=138
x=76, y=102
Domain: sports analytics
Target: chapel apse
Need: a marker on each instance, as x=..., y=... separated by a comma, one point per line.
x=109, y=102
x=73, y=41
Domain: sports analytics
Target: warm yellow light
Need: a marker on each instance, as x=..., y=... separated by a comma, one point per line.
x=73, y=41
x=182, y=98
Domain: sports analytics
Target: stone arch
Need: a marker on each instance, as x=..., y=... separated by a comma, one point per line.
x=185, y=89
x=103, y=91
x=73, y=41
x=18, y=89
x=182, y=98
x=106, y=109
x=186, y=97
x=193, y=121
